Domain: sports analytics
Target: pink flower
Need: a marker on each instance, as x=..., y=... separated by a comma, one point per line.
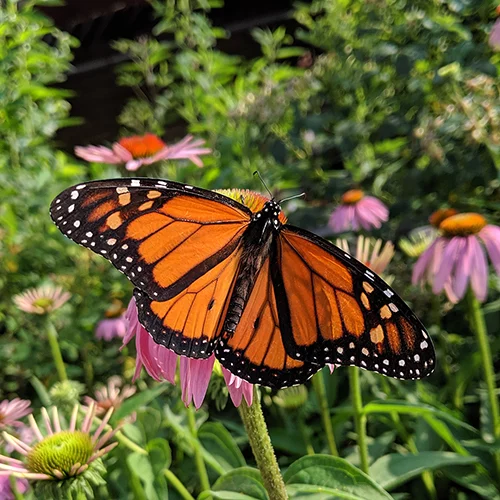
x=6, y=490
x=494, y=39
x=41, y=300
x=456, y=258
x=108, y=329
x=136, y=151
x=358, y=211
x=109, y=396
x=12, y=411
x=161, y=364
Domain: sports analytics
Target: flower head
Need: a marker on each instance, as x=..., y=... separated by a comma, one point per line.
x=358, y=211
x=59, y=454
x=457, y=258
x=111, y=395
x=12, y=411
x=494, y=39
x=41, y=300
x=161, y=364
x=370, y=252
x=114, y=325
x=139, y=150
x=440, y=215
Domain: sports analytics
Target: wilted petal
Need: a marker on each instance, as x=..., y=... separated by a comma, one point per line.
x=195, y=375
x=238, y=388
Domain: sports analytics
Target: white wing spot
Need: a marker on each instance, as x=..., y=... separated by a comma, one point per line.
x=401, y=362
x=89, y=234
x=129, y=259
x=71, y=208
x=351, y=345
x=124, y=247
x=386, y=362
x=340, y=350
x=389, y=293
x=74, y=195
x=122, y=190
x=424, y=345
x=135, y=182
x=365, y=351
x=416, y=357
x=81, y=186
x=393, y=307
x=76, y=223
x=111, y=241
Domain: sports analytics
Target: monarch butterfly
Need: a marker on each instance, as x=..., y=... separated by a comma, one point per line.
x=274, y=302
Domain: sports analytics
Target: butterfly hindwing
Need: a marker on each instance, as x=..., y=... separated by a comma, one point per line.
x=255, y=350
x=333, y=309
x=162, y=235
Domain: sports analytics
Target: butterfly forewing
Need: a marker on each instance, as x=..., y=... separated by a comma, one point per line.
x=162, y=235
x=333, y=309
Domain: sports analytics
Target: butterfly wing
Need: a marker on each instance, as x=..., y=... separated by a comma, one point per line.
x=255, y=351
x=162, y=235
x=190, y=322
x=333, y=309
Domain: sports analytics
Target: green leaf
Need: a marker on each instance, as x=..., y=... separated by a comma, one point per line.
x=471, y=478
x=141, y=466
x=332, y=476
x=244, y=483
x=217, y=440
x=392, y=470
x=135, y=402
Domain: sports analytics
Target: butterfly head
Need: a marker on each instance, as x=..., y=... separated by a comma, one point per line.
x=270, y=214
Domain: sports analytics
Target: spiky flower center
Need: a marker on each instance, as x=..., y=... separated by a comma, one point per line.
x=440, y=215
x=352, y=196
x=142, y=146
x=64, y=451
x=43, y=303
x=463, y=224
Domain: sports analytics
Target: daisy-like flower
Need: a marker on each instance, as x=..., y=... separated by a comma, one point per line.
x=358, y=211
x=370, y=252
x=41, y=300
x=60, y=455
x=457, y=258
x=111, y=395
x=139, y=150
x=12, y=411
x=161, y=364
x=114, y=325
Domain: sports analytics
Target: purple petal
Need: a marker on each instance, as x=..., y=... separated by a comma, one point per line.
x=423, y=263
x=494, y=39
x=195, y=376
x=451, y=252
x=337, y=220
x=98, y=154
x=122, y=153
x=460, y=278
x=374, y=205
x=491, y=238
x=238, y=388
x=479, y=276
x=133, y=165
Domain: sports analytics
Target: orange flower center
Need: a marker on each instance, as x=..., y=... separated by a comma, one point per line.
x=440, y=215
x=463, y=224
x=142, y=146
x=352, y=196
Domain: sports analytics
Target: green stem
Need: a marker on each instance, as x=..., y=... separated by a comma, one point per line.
x=122, y=439
x=305, y=435
x=359, y=417
x=56, y=351
x=176, y=483
x=320, y=390
x=198, y=454
x=479, y=326
x=258, y=435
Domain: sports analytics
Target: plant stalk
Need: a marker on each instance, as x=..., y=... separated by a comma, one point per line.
x=176, y=483
x=479, y=326
x=320, y=390
x=198, y=454
x=359, y=417
x=56, y=351
x=258, y=435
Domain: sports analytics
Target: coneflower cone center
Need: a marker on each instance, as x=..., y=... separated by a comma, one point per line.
x=60, y=452
x=43, y=302
x=352, y=196
x=142, y=146
x=463, y=224
x=440, y=215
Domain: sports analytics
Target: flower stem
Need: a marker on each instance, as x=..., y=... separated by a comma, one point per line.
x=359, y=416
x=258, y=435
x=479, y=326
x=320, y=390
x=305, y=435
x=198, y=455
x=56, y=351
x=125, y=441
x=176, y=483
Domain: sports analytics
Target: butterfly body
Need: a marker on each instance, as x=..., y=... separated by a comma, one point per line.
x=273, y=302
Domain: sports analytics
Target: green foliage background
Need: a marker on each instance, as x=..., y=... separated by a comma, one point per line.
x=398, y=97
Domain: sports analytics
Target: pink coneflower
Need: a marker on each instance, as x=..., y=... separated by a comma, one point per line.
x=12, y=411
x=59, y=454
x=114, y=325
x=41, y=300
x=456, y=257
x=358, y=211
x=370, y=252
x=139, y=150
x=111, y=395
x=494, y=39
x=161, y=364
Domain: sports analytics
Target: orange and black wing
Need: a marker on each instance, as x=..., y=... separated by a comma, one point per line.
x=255, y=350
x=333, y=309
x=178, y=244
x=162, y=235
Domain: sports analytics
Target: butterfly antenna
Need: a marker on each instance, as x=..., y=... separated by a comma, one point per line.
x=265, y=185
x=292, y=197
